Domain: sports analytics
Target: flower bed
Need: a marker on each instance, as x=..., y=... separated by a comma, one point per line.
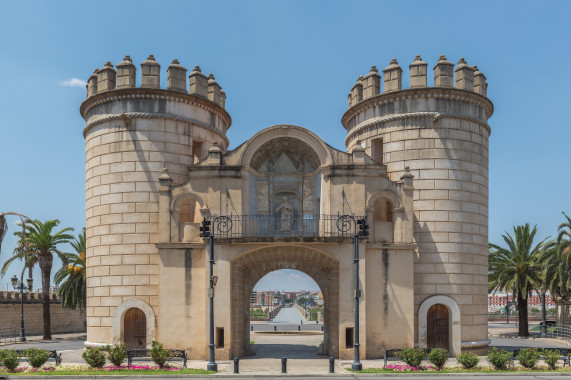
x=135, y=370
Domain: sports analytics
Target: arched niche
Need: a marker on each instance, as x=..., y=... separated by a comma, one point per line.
x=453, y=323
x=187, y=218
x=385, y=208
x=118, y=323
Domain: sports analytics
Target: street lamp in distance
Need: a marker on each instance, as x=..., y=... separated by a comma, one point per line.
x=19, y=285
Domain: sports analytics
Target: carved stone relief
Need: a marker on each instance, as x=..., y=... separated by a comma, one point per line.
x=263, y=197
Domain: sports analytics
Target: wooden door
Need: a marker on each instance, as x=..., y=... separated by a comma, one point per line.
x=135, y=329
x=438, y=325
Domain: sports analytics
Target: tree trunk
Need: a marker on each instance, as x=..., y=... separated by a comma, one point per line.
x=46, y=268
x=522, y=314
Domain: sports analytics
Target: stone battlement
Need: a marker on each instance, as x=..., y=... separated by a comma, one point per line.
x=29, y=297
x=467, y=78
x=123, y=76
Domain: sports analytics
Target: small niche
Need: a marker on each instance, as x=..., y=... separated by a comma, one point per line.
x=220, y=337
x=349, y=332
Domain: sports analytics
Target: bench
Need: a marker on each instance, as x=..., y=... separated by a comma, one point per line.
x=142, y=353
x=563, y=351
x=53, y=355
x=393, y=354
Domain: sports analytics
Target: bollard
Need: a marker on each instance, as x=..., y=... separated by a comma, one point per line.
x=284, y=365
x=321, y=328
x=275, y=328
x=251, y=327
x=237, y=365
x=331, y=364
x=298, y=328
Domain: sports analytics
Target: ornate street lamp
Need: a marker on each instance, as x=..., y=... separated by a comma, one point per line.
x=19, y=285
x=222, y=224
x=360, y=228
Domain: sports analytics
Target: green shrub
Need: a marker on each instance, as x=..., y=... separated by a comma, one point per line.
x=117, y=354
x=159, y=354
x=10, y=360
x=528, y=357
x=551, y=357
x=499, y=358
x=468, y=360
x=37, y=357
x=412, y=356
x=2, y=354
x=438, y=357
x=94, y=356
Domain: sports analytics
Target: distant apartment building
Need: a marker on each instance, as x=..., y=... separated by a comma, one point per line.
x=498, y=301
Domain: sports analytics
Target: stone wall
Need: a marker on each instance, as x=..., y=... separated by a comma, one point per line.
x=62, y=320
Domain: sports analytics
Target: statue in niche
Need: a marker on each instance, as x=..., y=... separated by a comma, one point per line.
x=287, y=215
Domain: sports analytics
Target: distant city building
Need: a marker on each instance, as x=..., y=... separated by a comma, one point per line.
x=498, y=301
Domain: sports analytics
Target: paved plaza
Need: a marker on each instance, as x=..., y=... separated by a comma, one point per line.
x=300, y=348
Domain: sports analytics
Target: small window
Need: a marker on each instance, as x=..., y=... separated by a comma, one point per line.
x=377, y=150
x=220, y=337
x=349, y=337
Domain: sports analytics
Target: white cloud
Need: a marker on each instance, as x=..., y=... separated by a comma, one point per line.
x=73, y=82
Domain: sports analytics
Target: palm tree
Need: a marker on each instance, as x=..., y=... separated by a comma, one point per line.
x=517, y=268
x=71, y=275
x=558, y=262
x=39, y=246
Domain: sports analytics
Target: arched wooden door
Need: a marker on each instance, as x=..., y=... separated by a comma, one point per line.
x=135, y=329
x=438, y=325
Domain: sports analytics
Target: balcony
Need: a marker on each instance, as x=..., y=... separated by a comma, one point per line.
x=308, y=227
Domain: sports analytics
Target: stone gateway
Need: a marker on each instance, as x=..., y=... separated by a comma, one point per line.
x=416, y=167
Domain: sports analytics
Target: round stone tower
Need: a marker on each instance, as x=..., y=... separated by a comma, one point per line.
x=131, y=135
x=441, y=135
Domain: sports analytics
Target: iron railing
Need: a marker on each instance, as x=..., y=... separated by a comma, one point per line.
x=273, y=226
x=9, y=335
x=559, y=331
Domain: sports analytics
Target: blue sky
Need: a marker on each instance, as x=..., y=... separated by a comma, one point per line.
x=284, y=62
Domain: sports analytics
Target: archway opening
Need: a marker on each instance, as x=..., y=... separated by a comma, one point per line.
x=135, y=329
x=438, y=327
x=287, y=311
x=250, y=268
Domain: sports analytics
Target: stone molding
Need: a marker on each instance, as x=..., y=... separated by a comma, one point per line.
x=99, y=119
x=156, y=94
x=435, y=116
x=392, y=197
x=117, y=327
x=454, y=322
x=415, y=93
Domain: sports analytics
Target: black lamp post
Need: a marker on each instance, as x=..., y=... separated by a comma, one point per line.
x=223, y=225
x=360, y=228
x=19, y=285
x=543, y=316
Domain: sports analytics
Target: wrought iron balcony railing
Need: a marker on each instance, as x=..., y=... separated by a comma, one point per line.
x=273, y=226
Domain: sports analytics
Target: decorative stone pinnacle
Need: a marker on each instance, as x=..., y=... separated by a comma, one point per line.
x=127, y=58
x=360, y=78
x=462, y=61
x=151, y=57
x=394, y=61
x=374, y=69
x=108, y=64
x=175, y=61
x=417, y=58
x=442, y=58
x=197, y=69
x=210, y=76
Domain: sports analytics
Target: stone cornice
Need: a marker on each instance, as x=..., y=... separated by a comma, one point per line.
x=148, y=93
x=435, y=116
x=99, y=119
x=426, y=92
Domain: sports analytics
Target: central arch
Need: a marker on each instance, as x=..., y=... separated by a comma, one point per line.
x=249, y=268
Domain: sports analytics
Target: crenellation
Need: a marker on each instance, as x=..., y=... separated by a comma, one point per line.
x=443, y=73
x=92, y=84
x=214, y=90
x=126, y=73
x=106, y=78
x=480, y=84
x=150, y=73
x=393, y=76
x=198, y=83
x=176, y=77
x=464, y=76
x=371, y=83
x=418, y=73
